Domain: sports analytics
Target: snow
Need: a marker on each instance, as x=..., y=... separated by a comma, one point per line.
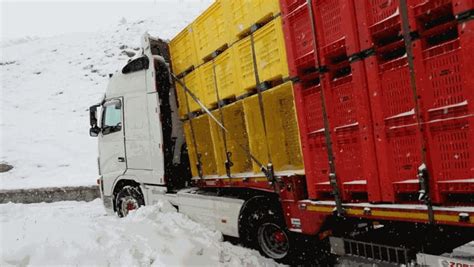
x=47, y=85
x=451, y=118
x=317, y=131
x=445, y=108
x=81, y=234
x=409, y=181
x=355, y=182
x=395, y=14
x=422, y=167
x=346, y=126
x=404, y=114
x=470, y=180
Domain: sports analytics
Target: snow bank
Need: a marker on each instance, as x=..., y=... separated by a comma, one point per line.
x=47, y=85
x=78, y=233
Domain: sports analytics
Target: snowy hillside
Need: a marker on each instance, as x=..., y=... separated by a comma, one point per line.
x=47, y=85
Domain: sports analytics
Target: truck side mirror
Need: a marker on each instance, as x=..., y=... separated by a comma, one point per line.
x=94, y=131
x=93, y=115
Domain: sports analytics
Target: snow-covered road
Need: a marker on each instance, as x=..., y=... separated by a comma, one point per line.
x=81, y=234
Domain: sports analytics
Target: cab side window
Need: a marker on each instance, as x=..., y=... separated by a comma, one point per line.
x=112, y=117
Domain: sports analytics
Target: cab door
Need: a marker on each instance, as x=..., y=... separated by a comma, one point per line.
x=112, y=157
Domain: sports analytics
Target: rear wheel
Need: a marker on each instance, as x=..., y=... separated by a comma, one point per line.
x=273, y=240
x=128, y=198
x=262, y=227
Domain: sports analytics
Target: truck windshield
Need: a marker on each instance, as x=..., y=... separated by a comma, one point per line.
x=112, y=117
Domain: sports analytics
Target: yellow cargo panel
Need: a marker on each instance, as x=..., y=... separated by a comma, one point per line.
x=265, y=9
x=255, y=131
x=283, y=134
x=218, y=142
x=226, y=74
x=270, y=55
x=245, y=66
x=282, y=129
x=208, y=89
x=193, y=83
x=183, y=51
x=245, y=13
x=244, y=122
x=211, y=31
x=241, y=16
x=234, y=121
x=204, y=144
x=270, y=51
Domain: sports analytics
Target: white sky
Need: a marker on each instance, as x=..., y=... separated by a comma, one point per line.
x=46, y=18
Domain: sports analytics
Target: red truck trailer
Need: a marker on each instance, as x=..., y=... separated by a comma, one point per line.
x=362, y=145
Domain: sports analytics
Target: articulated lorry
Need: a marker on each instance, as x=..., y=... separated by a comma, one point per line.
x=304, y=128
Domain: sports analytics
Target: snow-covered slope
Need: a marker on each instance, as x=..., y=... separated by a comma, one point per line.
x=47, y=84
x=79, y=234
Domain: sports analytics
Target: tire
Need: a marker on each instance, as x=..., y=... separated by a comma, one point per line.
x=264, y=229
x=273, y=240
x=128, y=198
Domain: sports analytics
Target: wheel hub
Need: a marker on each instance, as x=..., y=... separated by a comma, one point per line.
x=128, y=204
x=279, y=236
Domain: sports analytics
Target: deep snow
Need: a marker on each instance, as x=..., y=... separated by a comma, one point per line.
x=80, y=233
x=47, y=84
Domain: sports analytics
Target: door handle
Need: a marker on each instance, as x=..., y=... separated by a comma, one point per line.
x=121, y=159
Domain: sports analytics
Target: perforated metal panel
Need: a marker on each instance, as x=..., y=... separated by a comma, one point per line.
x=336, y=24
x=288, y=6
x=299, y=42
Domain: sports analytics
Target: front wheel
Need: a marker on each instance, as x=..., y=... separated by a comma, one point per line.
x=129, y=198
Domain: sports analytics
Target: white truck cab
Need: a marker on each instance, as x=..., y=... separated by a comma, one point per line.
x=142, y=151
x=141, y=141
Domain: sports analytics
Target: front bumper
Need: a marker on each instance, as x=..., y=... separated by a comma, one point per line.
x=108, y=204
x=108, y=201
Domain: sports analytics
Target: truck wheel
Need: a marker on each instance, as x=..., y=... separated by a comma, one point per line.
x=273, y=241
x=263, y=228
x=129, y=198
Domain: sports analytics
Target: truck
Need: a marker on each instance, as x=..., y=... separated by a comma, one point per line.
x=305, y=129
